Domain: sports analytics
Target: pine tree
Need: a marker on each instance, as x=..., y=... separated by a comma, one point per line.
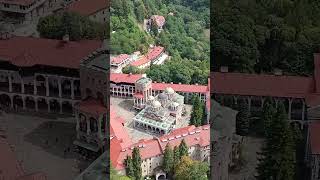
x=129, y=167
x=183, y=149
x=242, y=120
x=267, y=116
x=197, y=115
x=136, y=159
x=168, y=159
x=278, y=155
x=176, y=155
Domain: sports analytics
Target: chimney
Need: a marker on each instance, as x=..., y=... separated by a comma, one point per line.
x=316, y=73
x=224, y=69
x=277, y=72
x=66, y=38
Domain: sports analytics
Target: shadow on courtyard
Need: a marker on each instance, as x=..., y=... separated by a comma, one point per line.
x=127, y=105
x=54, y=137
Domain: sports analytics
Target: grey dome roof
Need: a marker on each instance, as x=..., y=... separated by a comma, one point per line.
x=162, y=96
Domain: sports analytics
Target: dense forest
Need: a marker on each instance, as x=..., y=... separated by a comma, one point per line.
x=185, y=36
x=78, y=27
x=262, y=35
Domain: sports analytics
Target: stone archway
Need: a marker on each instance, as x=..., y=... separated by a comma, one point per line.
x=54, y=106
x=30, y=103
x=17, y=102
x=42, y=105
x=93, y=125
x=5, y=100
x=67, y=107
x=53, y=87
x=66, y=88
x=4, y=83
x=77, y=90
x=41, y=85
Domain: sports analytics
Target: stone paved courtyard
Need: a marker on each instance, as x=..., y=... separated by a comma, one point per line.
x=124, y=108
x=40, y=142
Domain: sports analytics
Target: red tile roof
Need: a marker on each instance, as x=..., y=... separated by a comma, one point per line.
x=150, y=56
x=92, y=106
x=88, y=7
x=124, y=78
x=314, y=137
x=181, y=87
x=119, y=59
x=261, y=85
x=193, y=136
x=141, y=61
x=160, y=20
x=28, y=51
x=10, y=168
x=155, y=52
x=18, y=2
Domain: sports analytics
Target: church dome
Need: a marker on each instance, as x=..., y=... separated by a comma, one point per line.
x=175, y=104
x=151, y=98
x=162, y=96
x=156, y=104
x=169, y=90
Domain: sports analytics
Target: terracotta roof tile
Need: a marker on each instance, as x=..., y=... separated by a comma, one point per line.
x=28, y=51
x=261, y=85
x=92, y=106
x=119, y=59
x=88, y=7
x=181, y=87
x=160, y=20
x=124, y=78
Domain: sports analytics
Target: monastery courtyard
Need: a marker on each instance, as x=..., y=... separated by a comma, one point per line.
x=124, y=108
x=40, y=142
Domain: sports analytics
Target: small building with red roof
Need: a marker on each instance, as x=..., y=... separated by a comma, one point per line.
x=155, y=55
x=157, y=21
x=96, y=10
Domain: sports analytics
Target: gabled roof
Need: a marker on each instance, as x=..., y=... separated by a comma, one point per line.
x=261, y=85
x=181, y=87
x=88, y=7
x=92, y=106
x=159, y=20
x=193, y=136
x=119, y=59
x=29, y=51
x=124, y=78
x=150, y=56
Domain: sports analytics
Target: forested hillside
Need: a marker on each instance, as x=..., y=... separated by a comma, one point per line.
x=261, y=35
x=185, y=36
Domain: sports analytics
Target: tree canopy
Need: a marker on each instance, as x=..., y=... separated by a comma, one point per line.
x=76, y=26
x=261, y=35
